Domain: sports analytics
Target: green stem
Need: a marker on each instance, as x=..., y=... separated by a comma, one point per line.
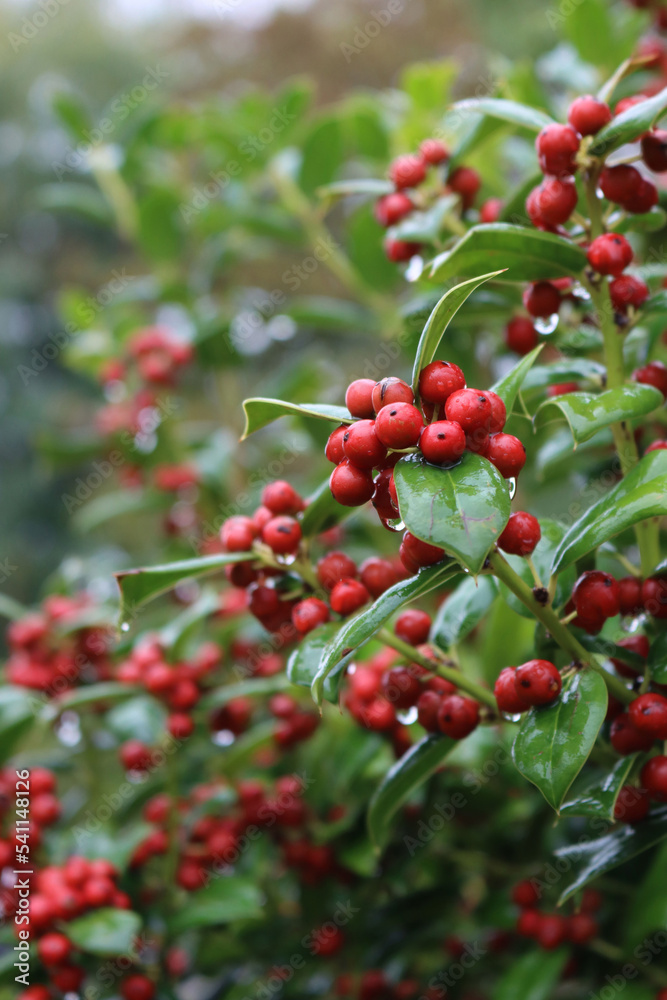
x=560, y=633
x=460, y=680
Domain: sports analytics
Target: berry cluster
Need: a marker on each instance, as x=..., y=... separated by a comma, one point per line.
x=155, y=352
x=44, y=810
x=533, y=684
x=598, y=596
x=550, y=930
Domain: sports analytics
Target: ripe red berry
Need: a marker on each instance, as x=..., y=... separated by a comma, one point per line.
x=620, y=184
x=557, y=146
x=654, y=596
x=632, y=805
x=237, y=534
x=654, y=778
x=654, y=150
x=282, y=534
x=334, y=448
x=416, y=553
x=471, y=408
x=626, y=738
x=507, y=453
x=351, y=486
x=657, y=446
x=498, y=412
x=648, y=714
x=596, y=595
x=525, y=894
x=407, y=171
x=542, y=299
x=391, y=208
x=377, y=575
x=638, y=644
x=309, y=614
x=442, y=442
x=359, y=398
x=439, y=380
x=45, y=809
x=508, y=697
x=538, y=682
x=458, y=716
x=413, y=626
x=655, y=374
x=491, y=210
x=434, y=151
x=137, y=987
x=335, y=566
x=382, y=499
x=551, y=931
x=588, y=115
x=581, y=928
x=521, y=534
x=68, y=978
x=391, y=390
x=528, y=923
x=552, y=203
x=400, y=251
x=428, y=706
x=135, y=756
x=465, y=182
x=401, y=687
x=362, y=447
x=520, y=335
x=399, y=425
x=348, y=596
x=54, y=949
x=280, y=497
x=628, y=291
x=630, y=595
x=644, y=198
x=609, y=254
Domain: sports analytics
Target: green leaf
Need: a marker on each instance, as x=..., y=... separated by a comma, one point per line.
x=412, y=770
x=118, y=503
x=567, y=370
x=224, y=901
x=647, y=222
x=304, y=661
x=554, y=742
x=629, y=125
x=18, y=711
x=322, y=512
x=361, y=628
x=552, y=535
x=463, y=509
x=107, y=931
x=138, y=586
x=533, y=976
x=508, y=111
x=598, y=798
x=254, y=687
x=80, y=199
x=11, y=609
x=514, y=209
x=91, y=694
x=463, y=610
x=427, y=225
x=261, y=412
x=641, y=494
x=509, y=385
x=526, y=254
x=322, y=155
x=73, y=114
x=657, y=659
x=327, y=313
x=439, y=320
x=429, y=83
x=588, y=413
x=175, y=635
x=648, y=904
x=592, y=859
x=142, y=718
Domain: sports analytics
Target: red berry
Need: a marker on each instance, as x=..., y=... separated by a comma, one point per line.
x=401, y=687
x=552, y=203
x=137, y=987
x=521, y=534
x=391, y=390
x=657, y=446
x=507, y=453
x=654, y=150
x=400, y=251
x=98, y=891
x=655, y=374
x=68, y=978
x=281, y=498
x=382, y=499
x=407, y=171
x=465, y=182
x=392, y=208
x=644, y=198
x=45, y=809
x=471, y=408
x=334, y=449
x=542, y=299
x=620, y=184
x=309, y=614
x=648, y=714
x=458, y=716
x=588, y=115
x=135, y=756
x=362, y=446
x=237, y=534
x=628, y=291
x=359, y=398
x=609, y=254
x=335, y=566
x=654, y=778
x=428, y=706
x=434, y=151
x=54, y=949
x=626, y=738
x=654, y=596
x=351, y=486
x=498, y=412
x=379, y=715
x=638, y=644
x=528, y=923
x=491, y=210
x=596, y=595
x=508, y=697
x=538, y=682
x=557, y=146
x=377, y=575
x=520, y=335
x=630, y=595
x=581, y=928
x=632, y=805
x=442, y=442
x=525, y=894
x=591, y=901
x=282, y=534
x=413, y=626
x=399, y=425
x=439, y=380
x=552, y=931
x=419, y=553
x=348, y=596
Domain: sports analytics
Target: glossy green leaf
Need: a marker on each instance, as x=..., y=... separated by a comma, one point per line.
x=526, y=254
x=463, y=610
x=554, y=742
x=598, y=798
x=509, y=386
x=175, y=635
x=92, y=694
x=592, y=859
x=261, y=412
x=363, y=626
x=138, y=586
x=225, y=900
x=18, y=711
x=107, y=931
x=412, y=770
x=641, y=494
x=141, y=717
x=630, y=124
x=657, y=659
x=568, y=370
x=588, y=413
x=439, y=320
x=427, y=225
x=552, y=535
x=648, y=904
x=254, y=687
x=463, y=509
x=305, y=661
x=647, y=222
x=321, y=155
x=533, y=976
x=322, y=512
x=508, y=111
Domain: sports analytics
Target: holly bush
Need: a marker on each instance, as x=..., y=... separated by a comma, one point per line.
x=381, y=712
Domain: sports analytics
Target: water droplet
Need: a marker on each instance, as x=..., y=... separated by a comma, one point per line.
x=546, y=325
x=408, y=716
x=125, y=627
x=512, y=486
x=414, y=269
x=580, y=291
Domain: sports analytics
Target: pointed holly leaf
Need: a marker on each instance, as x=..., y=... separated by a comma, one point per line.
x=440, y=319
x=262, y=412
x=463, y=610
x=568, y=370
x=305, y=661
x=640, y=495
x=412, y=770
x=554, y=742
x=462, y=510
x=588, y=413
x=509, y=385
x=507, y=111
x=598, y=798
x=657, y=659
x=630, y=124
